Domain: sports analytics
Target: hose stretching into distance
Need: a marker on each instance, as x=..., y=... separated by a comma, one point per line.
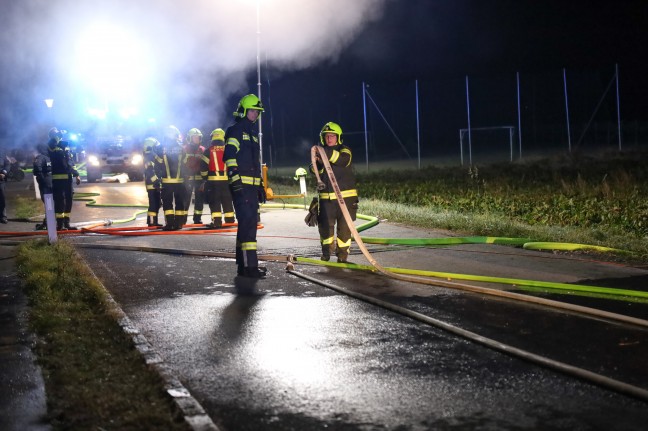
x=318, y=150
x=598, y=379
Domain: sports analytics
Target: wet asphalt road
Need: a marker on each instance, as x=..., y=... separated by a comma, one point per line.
x=284, y=353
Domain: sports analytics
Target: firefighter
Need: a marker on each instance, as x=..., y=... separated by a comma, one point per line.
x=43, y=174
x=242, y=159
x=169, y=168
x=5, y=166
x=152, y=181
x=193, y=179
x=215, y=183
x=339, y=156
x=63, y=172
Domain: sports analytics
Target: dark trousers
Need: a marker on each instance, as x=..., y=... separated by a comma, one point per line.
x=155, y=201
x=330, y=214
x=173, y=199
x=219, y=196
x=62, y=194
x=192, y=186
x=3, y=202
x=246, y=205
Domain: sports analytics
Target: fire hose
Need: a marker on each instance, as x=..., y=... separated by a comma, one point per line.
x=595, y=378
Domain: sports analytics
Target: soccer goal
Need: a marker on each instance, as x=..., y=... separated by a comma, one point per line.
x=489, y=141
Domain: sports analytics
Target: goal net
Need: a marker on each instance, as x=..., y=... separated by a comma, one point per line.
x=486, y=144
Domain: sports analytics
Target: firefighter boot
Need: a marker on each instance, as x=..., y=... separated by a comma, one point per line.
x=170, y=222
x=343, y=255
x=229, y=220
x=149, y=221
x=155, y=222
x=254, y=272
x=42, y=226
x=217, y=223
x=59, y=224
x=197, y=219
x=180, y=221
x=66, y=223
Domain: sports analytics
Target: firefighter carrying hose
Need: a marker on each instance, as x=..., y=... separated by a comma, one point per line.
x=242, y=158
x=215, y=181
x=152, y=181
x=169, y=168
x=193, y=179
x=330, y=213
x=63, y=172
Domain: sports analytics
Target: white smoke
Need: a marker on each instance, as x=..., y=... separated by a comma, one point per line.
x=193, y=55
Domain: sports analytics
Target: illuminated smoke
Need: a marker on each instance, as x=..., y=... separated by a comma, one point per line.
x=185, y=60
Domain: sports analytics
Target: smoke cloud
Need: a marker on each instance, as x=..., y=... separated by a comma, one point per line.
x=188, y=60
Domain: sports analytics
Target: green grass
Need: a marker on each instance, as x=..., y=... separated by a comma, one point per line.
x=599, y=201
x=94, y=376
x=26, y=208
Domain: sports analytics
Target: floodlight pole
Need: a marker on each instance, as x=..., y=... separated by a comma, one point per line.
x=418, y=129
x=616, y=69
x=258, y=59
x=517, y=79
x=567, y=109
x=364, y=107
x=469, y=134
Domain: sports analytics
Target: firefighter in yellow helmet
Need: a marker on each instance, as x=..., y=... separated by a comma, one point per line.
x=330, y=214
x=193, y=153
x=169, y=167
x=242, y=158
x=152, y=181
x=213, y=171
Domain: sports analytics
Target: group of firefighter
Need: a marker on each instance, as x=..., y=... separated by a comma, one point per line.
x=226, y=175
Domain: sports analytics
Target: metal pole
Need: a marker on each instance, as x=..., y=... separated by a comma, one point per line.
x=364, y=106
x=616, y=67
x=418, y=132
x=469, y=134
x=517, y=74
x=567, y=109
x=511, y=141
x=461, y=146
x=258, y=58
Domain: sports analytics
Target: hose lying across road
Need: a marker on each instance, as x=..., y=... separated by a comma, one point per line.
x=400, y=274
x=541, y=360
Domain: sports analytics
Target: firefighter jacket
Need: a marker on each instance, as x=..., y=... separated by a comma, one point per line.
x=151, y=180
x=192, y=158
x=340, y=159
x=169, y=164
x=43, y=169
x=242, y=153
x=62, y=164
x=212, y=163
x=5, y=164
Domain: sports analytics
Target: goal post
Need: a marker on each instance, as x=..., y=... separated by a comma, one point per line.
x=497, y=130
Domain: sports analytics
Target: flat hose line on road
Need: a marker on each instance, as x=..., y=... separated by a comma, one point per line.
x=598, y=379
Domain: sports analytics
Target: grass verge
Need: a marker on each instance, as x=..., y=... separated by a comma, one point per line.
x=27, y=208
x=94, y=376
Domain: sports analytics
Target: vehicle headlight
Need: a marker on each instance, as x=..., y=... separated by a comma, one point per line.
x=137, y=159
x=93, y=160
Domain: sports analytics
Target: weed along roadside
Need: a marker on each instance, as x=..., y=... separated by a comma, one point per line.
x=94, y=376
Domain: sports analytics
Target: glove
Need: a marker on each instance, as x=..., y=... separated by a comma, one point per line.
x=201, y=189
x=157, y=185
x=236, y=185
x=261, y=193
x=321, y=186
x=78, y=180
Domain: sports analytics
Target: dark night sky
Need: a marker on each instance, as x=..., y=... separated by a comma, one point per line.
x=437, y=42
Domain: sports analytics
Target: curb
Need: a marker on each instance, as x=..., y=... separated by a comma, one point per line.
x=193, y=413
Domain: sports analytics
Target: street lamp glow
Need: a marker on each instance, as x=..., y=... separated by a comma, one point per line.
x=49, y=102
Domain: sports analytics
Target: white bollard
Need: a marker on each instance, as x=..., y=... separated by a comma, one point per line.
x=51, y=218
x=302, y=186
x=37, y=189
